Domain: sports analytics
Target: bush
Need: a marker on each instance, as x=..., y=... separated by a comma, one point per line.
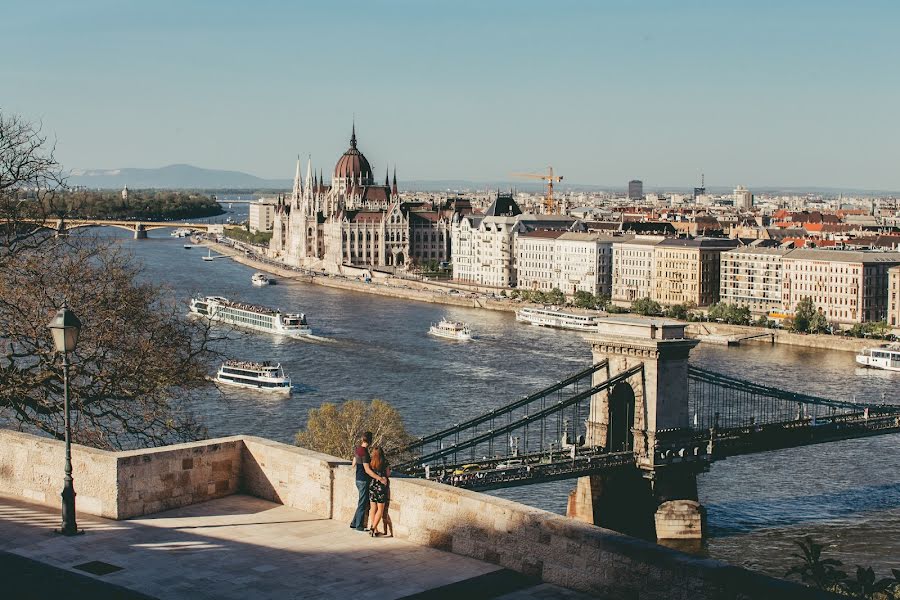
x=646, y=307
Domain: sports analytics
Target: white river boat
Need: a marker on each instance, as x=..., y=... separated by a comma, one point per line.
x=251, y=316
x=451, y=330
x=262, y=376
x=551, y=316
x=885, y=357
x=260, y=279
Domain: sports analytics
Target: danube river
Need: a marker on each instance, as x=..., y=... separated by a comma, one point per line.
x=846, y=494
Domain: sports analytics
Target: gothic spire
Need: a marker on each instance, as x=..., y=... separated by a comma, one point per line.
x=298, y=183
x=394, y=188
x=387, y=179
x=309, y=174
x=353, y=135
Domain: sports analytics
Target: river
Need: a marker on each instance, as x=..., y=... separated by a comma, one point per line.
x=844, y=494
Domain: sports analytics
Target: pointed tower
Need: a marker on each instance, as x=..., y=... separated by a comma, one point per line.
x=387, y=179
x=394, y=187
x=298, y=183
x=309, y=176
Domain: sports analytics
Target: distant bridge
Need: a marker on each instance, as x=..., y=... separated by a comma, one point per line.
x=140, y=228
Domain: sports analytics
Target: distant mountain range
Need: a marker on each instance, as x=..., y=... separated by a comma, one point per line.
x=191, y=177
x=173, y=177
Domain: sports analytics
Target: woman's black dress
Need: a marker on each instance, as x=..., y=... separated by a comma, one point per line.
x=378, y=492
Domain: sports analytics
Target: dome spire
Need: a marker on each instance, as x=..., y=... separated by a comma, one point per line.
x=353, y=135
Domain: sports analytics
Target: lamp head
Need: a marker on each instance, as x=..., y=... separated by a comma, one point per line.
x=65, y=327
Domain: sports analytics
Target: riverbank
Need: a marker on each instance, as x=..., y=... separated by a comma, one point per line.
x=439, y=294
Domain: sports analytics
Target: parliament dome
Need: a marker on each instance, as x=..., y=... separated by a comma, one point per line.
x=353, y=164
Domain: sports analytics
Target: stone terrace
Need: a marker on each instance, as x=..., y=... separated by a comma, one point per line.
x=243, y=547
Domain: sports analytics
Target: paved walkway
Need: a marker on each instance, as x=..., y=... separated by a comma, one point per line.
x=237, y=547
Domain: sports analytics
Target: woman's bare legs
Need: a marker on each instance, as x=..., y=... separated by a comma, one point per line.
x=386, y=519
x=379, y=510
x=371, y=513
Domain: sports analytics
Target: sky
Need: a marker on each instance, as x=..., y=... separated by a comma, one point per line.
x=761, y=93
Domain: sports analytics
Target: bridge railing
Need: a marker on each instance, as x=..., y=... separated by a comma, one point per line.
x=530, y=430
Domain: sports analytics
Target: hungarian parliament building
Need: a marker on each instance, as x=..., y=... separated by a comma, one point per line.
x=355, y=222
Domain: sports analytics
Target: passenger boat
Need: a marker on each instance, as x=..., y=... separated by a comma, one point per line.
x=551, y=316
x=181, y=232
x=263, y=376
x=250, y=316
x=881, y=357
x=451, y=330
x=260, y=279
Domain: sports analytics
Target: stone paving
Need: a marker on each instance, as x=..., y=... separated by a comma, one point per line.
x=245, y=547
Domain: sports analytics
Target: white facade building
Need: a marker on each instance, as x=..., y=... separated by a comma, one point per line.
x=753, y=277
x=262, y=215
x=633, y=268
x=743, y=199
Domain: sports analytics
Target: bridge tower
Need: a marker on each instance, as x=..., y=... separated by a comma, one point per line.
x=649, y=498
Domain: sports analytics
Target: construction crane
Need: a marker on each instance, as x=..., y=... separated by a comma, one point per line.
x=550, y=207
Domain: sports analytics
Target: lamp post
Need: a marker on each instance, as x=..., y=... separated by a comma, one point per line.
x=65, y=327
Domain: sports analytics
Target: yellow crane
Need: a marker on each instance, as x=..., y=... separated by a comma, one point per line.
x=550, y=206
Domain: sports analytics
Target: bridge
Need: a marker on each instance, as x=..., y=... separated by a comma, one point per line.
x=635, y=428
x=140, y=228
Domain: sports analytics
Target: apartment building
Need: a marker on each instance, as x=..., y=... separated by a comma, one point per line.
x=570, y=261
x=846, y=286
x=893, y=297
x=752, y=276
x=633, y=268
x=483, y=246
x=687, y=271
x=262, y=215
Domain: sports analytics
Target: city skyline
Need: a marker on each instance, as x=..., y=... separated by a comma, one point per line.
x=757, y=96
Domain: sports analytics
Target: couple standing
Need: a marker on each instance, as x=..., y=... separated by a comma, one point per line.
x=373, y=485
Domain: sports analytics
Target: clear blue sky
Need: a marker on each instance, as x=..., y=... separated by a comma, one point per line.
x=755, y=93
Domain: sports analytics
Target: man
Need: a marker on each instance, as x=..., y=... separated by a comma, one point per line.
x=363, y=473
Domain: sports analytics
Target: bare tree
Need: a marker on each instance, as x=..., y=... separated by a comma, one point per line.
x=30, y=179
x=139, y=363
x=335, y=430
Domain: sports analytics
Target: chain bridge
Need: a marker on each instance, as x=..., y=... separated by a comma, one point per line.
x=636, y=427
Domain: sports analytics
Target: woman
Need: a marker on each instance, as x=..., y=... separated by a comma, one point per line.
x=379, y=493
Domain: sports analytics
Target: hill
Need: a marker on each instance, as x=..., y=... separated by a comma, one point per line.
x=172, y=177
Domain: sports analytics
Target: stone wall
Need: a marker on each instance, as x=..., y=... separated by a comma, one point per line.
x=537, y=543
x=157, y=479
x=289, y=475
x=828, y=342
x=32, y=468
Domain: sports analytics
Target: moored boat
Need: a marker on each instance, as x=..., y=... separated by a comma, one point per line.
x=263, y=376
x=251, y=316
x=885, y=357
x=451, y=330
x=551, y=316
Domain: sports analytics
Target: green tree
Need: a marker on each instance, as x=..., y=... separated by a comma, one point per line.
x=761, y=321
x=677, y=311
x=335, y=429
x=646, y=307
x=555, y=296
x=584, y=299
x=803, y=315
x=818, y=323
x=603, y=301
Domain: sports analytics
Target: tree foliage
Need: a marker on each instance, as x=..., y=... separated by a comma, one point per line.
x=826, y=574
x=150, y=205
x=138, y=363
x=646, y=307
x=803, y=315
x=256, y=237
x=733, y=314
x=335, y=429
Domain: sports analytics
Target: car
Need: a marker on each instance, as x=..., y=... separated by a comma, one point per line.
x=511, y=464
x=466, y=469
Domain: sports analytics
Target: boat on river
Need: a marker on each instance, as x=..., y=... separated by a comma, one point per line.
x=251, y=316
x=552, y=316
x=451, y=330
x=262, y=376
x=260, y=279
x=885, y=357
x=209, y=256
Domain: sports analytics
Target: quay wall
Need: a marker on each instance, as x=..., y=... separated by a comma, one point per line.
x=780, y=336
x=533, y=542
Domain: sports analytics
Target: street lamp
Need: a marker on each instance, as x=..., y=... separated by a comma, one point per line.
x=65, y=327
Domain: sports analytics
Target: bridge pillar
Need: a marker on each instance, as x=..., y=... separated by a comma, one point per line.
x=629, y=416
x=61, y=228
x=139, y=232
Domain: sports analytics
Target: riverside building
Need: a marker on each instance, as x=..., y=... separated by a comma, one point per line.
x=352, y=221
x=753, y=276
x=633, y=268
x=893, y=297
x=687, y=271
x=567, y=260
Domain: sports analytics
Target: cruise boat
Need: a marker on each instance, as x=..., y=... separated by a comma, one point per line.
x=181, y=232
x=260, y=279
x=881, y=357
x=263, y=376
x=552, y=316
x=250, y=316
x=451, y=330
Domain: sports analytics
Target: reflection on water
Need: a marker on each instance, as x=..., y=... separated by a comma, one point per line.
x=846, y=494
